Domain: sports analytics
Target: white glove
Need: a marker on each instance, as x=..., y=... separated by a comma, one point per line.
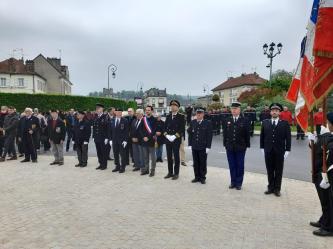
x=262, y=151
x=168, y=137
x=189, y=147
x=324, y=183
x=124, y=144
x=85, y=142
x=172, y=137
x=73, y=142
x=312, y=137
x=286, y=154
x=207, y=150
x=110, y=142
x=324, y=130
x=106, y=141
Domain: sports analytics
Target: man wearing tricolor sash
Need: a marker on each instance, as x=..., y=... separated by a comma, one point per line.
x=148, y=130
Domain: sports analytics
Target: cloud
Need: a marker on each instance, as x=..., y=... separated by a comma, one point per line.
x=180, y=45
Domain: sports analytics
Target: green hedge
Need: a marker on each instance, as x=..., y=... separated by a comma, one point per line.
x=45, y=102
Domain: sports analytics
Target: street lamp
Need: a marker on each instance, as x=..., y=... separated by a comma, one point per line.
x=270, y=55
x=206, y=89
x=113, y=70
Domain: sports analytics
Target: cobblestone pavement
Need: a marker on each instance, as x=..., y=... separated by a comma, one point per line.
x=44, y=206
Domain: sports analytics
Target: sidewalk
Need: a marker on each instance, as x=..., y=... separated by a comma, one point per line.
x=46, y=206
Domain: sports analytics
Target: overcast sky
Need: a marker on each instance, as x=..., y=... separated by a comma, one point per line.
x=178, y=44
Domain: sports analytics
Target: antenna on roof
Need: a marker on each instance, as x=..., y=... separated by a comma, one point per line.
x=229, y=74
x=243, y=69
x=17, y=50
x=254, y=69
x=60, y=53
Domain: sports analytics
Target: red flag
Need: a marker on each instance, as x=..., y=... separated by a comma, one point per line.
x=323, y=50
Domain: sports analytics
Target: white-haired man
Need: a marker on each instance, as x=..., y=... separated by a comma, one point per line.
x=27, y=134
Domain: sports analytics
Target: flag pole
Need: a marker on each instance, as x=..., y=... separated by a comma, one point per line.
x=312, y=146
x=324, y=124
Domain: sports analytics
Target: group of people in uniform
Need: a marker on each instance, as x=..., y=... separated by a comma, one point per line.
x=139, y=137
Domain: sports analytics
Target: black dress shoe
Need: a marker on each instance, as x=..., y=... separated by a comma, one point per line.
x=175, y=177
x=322, y=232
x=34, y=161
x=103, y=168
x=53, y=163
x=195, y=180
x=115, y=170
x=99, y=167
x=25, y=160
x=121, y=171
x=136, y=169
x=168, y=176
x=239, y=188
x=231, y=186
x=277, y=193
x=268, y=192
x=315, y=224
x=144, y=173
x=203, y=181
x=60, y=163
x=78, y=165
x=83, y=165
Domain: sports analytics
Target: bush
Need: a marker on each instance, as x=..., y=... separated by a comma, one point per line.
x=45, y=102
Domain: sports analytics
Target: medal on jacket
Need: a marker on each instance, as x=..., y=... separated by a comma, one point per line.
x=57, y=130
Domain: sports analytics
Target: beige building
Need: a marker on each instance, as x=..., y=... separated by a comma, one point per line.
x=230, y=90
x=17, y=77
x=40, y=75
x=56, y=75
x=157, y=99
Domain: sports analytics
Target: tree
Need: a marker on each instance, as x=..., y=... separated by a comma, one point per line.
x=280, y=81
x=216, y=98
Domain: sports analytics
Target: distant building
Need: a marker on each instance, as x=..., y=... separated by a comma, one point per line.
x=56, y=75
x=17, y=77
x=204, y=101
x=40, y=75
x=157, y=99
x=230, y=90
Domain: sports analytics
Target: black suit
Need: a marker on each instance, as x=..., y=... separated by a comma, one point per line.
x=119, y=133
x=57, y=132
x=200, y=135
x=174, y=126
x=29, y=141
x=129, y=151
x=100, y=133
x=275, y=140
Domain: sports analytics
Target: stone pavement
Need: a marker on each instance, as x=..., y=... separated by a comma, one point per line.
x=44, y=206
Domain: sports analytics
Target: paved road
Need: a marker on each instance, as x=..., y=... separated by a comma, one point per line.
x=297, y=165
x=73, y=208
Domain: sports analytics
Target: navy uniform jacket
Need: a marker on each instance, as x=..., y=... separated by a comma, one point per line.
x=57, y=133
x=174, y=126
x=82, y=131
x=144, y=132
x=277, y=139
x=120, y=133
x=100, y=128
x=236, y=136
x=200, y=135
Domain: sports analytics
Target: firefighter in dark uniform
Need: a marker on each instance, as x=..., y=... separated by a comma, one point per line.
x=119, y=135
x=200, y=137
x=275, y=144
x=100, y=136
x=236, y=139
x=28, y=135
x=324, y=181
x=82, y=133
x=174, y=131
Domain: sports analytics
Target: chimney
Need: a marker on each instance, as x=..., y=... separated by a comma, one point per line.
x=30, y=66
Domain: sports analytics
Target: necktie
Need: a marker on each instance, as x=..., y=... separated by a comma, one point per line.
x=117, y=122
x=274, y=124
